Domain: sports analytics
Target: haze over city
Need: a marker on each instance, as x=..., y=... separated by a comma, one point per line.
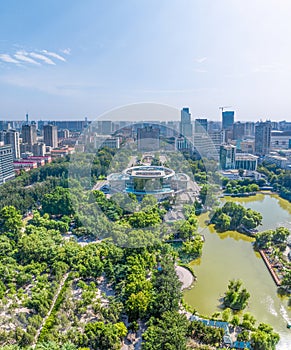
x=69, y=59
x=145, y=174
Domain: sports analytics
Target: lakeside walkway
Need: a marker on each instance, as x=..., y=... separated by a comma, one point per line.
x=270, y=268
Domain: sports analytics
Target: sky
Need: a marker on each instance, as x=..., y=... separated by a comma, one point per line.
x=75, y=59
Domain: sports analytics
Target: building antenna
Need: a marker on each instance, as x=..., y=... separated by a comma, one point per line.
x=26, y=117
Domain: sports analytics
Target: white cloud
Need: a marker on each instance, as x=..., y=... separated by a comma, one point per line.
x=23, y=56
x=201, y=59
x=42, y=58
x=7, y=58
x=66, y=51
x=53, y=54
x=36, y=57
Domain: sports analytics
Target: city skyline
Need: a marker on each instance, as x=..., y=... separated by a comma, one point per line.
x=66, y=59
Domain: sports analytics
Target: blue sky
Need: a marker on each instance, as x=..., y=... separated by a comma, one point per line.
x=71, y=59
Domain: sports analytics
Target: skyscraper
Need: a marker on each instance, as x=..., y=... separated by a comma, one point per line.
x=201, y=126
x=6, y=164
x=50, y=135
x=185, y=124
x=249, y=129
x=12, y=138
x=227, y=120
x=262, y=138
x=29, y=134
x=238, y=131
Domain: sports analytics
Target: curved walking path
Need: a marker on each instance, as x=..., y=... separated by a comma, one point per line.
x=185, y=276
x=51, y=308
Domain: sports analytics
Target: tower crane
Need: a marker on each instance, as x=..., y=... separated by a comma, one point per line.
x=222, y=108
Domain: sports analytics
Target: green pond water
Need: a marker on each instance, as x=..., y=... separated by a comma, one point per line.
x=230, y=255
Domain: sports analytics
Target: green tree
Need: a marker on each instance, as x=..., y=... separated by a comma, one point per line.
x=58, y=202
x=226, y=314
x=193, y=248
x=137, y=305
x=264, y=338
x=10, y=222
x=236, y=297
x=168, y=332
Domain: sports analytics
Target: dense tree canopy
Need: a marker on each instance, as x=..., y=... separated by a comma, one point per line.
x=234, y=216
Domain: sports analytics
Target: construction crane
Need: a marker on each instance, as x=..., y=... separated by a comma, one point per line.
x=222, y=108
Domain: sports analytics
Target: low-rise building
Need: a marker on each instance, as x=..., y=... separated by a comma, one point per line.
x=280, y=162
x=246, y=161
x=230, y=174
x=24, y=164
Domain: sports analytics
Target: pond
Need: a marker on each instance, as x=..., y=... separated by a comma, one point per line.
x=230, y=255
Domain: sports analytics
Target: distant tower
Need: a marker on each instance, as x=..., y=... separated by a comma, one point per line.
x=50, y=135
x=29, y=134
x=227, y=120
x=201, y=126
x=185, y=124
x=106, y=127
x=238, y=130
x=263, y=138
x=26, y=118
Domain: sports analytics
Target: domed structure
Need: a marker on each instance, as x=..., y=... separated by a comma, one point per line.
x=159, y=181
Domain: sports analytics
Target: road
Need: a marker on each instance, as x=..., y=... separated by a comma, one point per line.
x=193, y=186
x=99, y=184
x=132, y=161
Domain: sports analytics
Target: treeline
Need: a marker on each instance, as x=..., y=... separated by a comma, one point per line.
x=238, y=186
x=279, y=178
x=27, y=190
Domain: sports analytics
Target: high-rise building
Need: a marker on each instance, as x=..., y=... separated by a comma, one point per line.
x=63, y=134
x=39, y=149
x=217, y=137
x=249, y=129
x=148, y=138
x=201, y=126
x=2, y=136
x=12, y=138
x=262, y=138
x=227, y=120
x=238, y=131
x=106, y=127
x=50, y=135
x=6, y=164
x=227, y=156
x=29, y=134
x=205, y=147
x=185, y=124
